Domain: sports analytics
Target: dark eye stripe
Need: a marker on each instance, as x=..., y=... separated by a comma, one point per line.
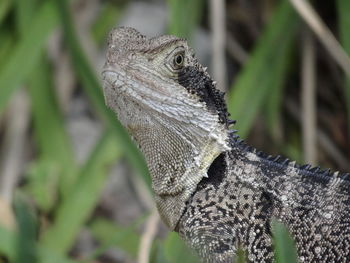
x=196, y=82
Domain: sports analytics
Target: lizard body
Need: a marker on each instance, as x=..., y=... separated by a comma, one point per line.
x=216, y=191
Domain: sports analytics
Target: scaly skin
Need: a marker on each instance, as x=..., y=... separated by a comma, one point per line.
x=218, y=193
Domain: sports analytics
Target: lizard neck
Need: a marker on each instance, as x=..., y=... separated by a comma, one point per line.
x=178, y=157
x=234, y=207
x=239, y=165
x=222, y=209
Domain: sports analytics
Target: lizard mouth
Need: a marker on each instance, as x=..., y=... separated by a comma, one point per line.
x=136, y=87
x=112, y=78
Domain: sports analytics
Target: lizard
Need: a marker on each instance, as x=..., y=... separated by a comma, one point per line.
x=216, y=191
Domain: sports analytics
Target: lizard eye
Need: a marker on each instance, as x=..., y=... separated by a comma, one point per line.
x=178, y=60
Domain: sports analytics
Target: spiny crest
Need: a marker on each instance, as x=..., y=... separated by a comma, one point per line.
x=305, y=168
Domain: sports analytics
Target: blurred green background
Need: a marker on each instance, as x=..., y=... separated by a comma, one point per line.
x=73, y=187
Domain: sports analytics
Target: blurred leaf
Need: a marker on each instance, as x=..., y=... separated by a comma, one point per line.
x=9, y=249
x=175, y=250
x=47, y=256
x=49, y=129
x=157, y=253
x=293, y=152
x=43, y=183
x=343, y=8
x=25, y=11
x=273, y=106
x=93, y=89
x=6, y=44
x=79, y=203
x=50, y=134
x=106, y=20
x=110, y=234
x=26, y=241
x=285, y=251
x=7, y=243
x=240, y=257
x=4, y=8
x=184, y=17
x=26, y=53
x=266, y=69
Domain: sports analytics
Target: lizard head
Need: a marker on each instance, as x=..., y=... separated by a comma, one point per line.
x=170, y=107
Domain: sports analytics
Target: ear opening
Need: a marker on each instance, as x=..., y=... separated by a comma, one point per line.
x=216, y=172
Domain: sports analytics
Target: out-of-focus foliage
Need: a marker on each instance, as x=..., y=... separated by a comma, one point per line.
x=184, y=17
x=176, y=251
x=344, y=24
x=260, y=83
x=57, y=197
x=284, y=245
x=24, y=56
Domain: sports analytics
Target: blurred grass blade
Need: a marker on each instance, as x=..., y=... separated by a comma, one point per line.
x=93, y=89
x=106, y=20
x=266, y=68
x=6, y=43
x=284, y=246
x=7, y=244
x=109, y=234
x=4, y=8
x=273, y=107
x=343, y=8
x=81, y=200
x=50, y=134
x=53, y=142
x=175, y=250
x=240, y=257
x=26, y=241
x=42, y=183
x=8, y=249
x=157, y=255
x=25, y=11
x=26, y=53
x=47, y=256
x=184, y=16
